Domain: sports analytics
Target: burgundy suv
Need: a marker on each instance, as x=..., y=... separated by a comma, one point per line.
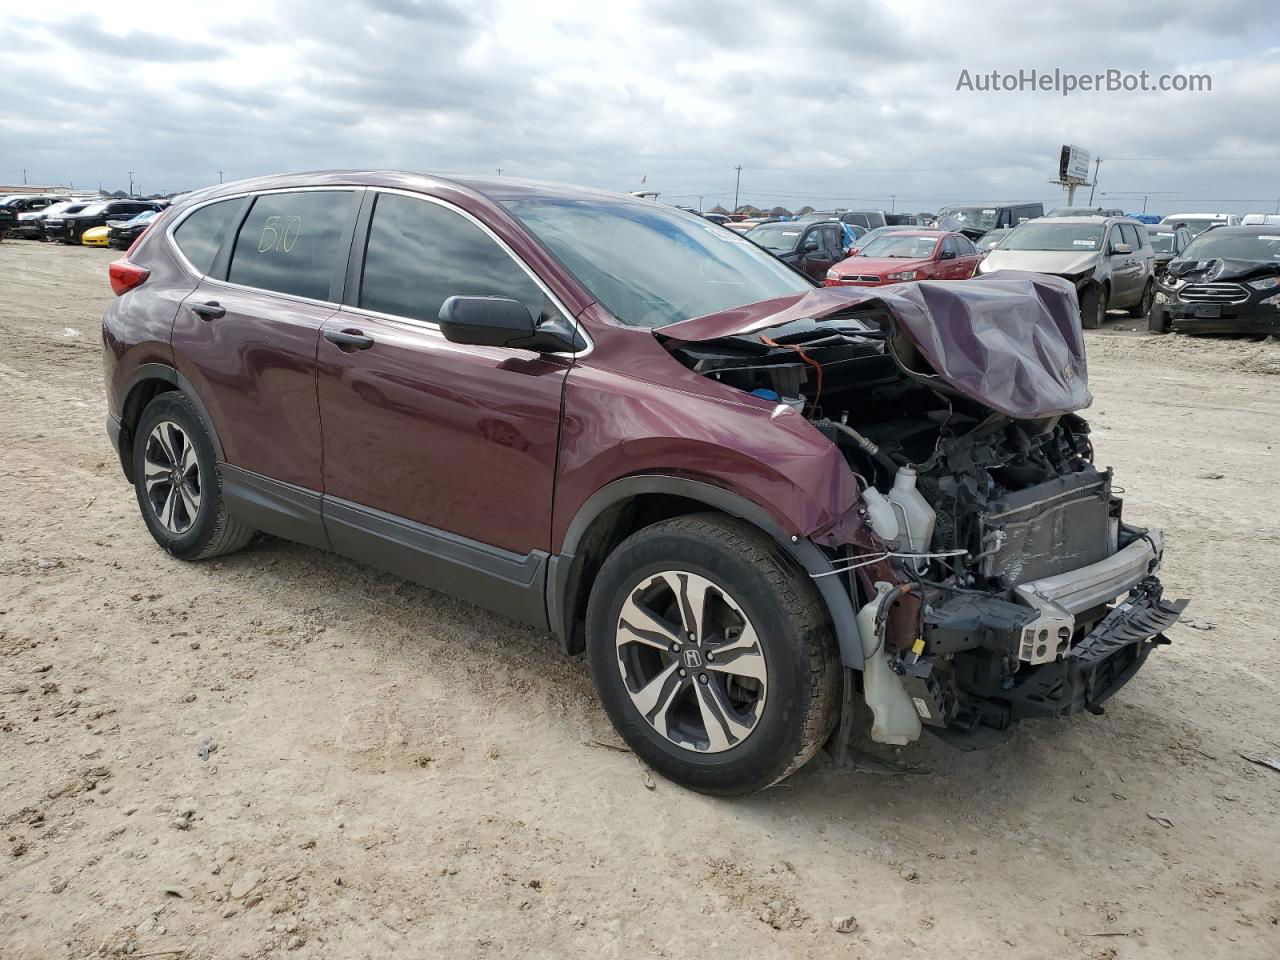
x=750, y=500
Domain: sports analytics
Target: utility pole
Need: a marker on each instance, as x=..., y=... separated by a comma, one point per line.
x=130, y=172
x=1093, y=186
x=499, y=171
x=699, y=204
x=893, y=203
x=736, y=183
x=24, y=176
x=1144, y=203
x=220, y=173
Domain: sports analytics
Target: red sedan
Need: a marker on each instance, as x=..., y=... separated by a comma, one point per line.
x=905, y=256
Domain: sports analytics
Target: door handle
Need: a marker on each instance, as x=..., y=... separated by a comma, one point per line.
x=348, y=340
x=208, y=311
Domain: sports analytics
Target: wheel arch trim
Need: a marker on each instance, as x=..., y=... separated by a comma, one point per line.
x=167, y=374
x=807, y=555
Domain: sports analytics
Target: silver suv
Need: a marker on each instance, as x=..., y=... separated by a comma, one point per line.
x=1109, y=259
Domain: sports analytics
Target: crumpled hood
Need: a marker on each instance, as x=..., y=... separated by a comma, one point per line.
x=1042, y=261
x=1211, y=270
x=1011, y=340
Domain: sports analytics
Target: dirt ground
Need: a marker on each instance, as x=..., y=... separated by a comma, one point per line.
x=397, y=774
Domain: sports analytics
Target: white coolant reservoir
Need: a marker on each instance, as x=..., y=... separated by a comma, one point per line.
x=883, y=517
x=895, y=719
x=914, y=515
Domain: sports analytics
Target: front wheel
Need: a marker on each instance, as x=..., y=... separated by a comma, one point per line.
x=712, y=654
x=1093, y=307
x=176, y=479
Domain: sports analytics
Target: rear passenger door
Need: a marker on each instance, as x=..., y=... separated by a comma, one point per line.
x=439, y=458
x=246, y=336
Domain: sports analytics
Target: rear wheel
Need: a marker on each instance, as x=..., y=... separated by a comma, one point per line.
x=712, y=655
x=1143, y=307
x=1093, y=307
x=176, y=480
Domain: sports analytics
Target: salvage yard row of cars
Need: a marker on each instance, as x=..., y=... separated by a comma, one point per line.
x=90, y=221
x=1191, y=273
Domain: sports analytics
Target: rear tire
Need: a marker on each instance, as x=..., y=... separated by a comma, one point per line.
x=176, y=479
x=726, y=726
x=1093, y=307
x=1143, y=307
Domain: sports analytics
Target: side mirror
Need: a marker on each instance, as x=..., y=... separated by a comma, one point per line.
x=503, y=322
x=810, y=246
x=947, y=255
x=1122, y=248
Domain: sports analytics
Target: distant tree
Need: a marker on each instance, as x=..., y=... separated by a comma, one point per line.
x=749, y=211
x=779, y=212
x=719, y=209
x=803, y=210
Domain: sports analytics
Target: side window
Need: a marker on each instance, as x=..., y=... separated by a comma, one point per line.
x=420, y=254
x=948, y=246
x=1114, y=238
x=290, y=241
x=964, y=247
x=833, y=235
x=1131, y=236
x=200, y=235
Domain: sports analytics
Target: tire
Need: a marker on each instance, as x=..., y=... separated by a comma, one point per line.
x=774, y=710
x=1093, y=307
x=1158, y=318
x=189, y=518
x=1143, y=307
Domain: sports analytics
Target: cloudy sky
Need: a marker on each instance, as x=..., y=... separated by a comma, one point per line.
x=848, y=102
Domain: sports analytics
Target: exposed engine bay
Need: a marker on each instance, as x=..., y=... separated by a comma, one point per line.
x=995, y=563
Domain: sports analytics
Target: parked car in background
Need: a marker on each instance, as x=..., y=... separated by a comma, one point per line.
x=1260, y=219
x=915, y=254
x=1168, y=242
x=1197, y=223
x=870, y=235
x=94, y=237
x=122, y=233
x=69, y=226
x=868, y=219
x=605, y=418
x=1084, y=212
x=749, y=224
x=811, y=248
x=719, y=218
x=15, y=205
x=1227, y=280
x=1109, y=260
x=973, y=220
x=989, y=240
x=31, y=225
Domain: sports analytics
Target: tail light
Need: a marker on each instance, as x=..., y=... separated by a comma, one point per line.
x=125, y=276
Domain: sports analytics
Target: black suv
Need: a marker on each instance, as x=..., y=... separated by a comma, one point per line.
x=71, y=227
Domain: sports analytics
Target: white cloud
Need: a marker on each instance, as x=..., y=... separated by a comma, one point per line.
x=821, y=102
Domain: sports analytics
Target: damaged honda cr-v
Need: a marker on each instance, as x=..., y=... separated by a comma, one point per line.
x=749, y=500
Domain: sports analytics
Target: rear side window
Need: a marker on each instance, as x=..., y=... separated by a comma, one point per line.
x=290, y=241
x=1131, y=236
x=421, y=253
x=200, y=235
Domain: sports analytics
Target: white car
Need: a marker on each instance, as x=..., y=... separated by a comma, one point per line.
x=1198, y=223
x=1260, y=220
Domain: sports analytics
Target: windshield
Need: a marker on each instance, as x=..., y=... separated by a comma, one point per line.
x=1162, y=242
x=1078, y=237
x=989, y=240
x=967, y=218
x=900, y=247
x=652, y=265
x=778, y=237
x=1233, y=246
x=1198, y=225
x=144, y=217
x=58, y=208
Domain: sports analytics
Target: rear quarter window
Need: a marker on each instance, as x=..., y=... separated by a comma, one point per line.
x=290, y=242
x=200, y=235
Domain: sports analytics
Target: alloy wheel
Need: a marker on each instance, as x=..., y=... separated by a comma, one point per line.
x=172, y=477
x=691, y=661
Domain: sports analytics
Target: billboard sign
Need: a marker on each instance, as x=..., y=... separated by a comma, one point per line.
x=1073, y=164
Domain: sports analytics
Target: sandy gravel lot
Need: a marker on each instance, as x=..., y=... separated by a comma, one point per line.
x=396, y=774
